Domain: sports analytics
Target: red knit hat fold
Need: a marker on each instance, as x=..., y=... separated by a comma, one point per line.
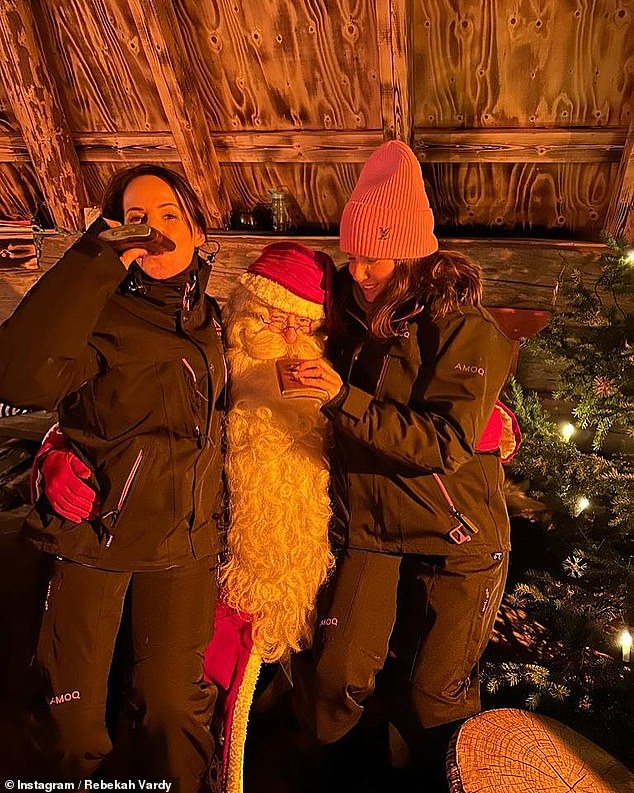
x=388, y=215
x=291, y=277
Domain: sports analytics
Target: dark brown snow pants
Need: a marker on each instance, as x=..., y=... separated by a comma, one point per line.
x=167, y=616
x=432, y=615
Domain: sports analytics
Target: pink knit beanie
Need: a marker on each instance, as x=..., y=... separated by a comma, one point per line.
x=388, y=215
x=291, y=277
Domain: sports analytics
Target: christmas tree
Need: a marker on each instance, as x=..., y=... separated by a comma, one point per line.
x=561, y=644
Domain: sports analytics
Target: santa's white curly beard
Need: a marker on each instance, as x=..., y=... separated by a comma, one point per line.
x=277, y=475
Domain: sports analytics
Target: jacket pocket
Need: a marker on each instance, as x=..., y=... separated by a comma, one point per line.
x=485, y=604
x=195, y=403
x=110, y=518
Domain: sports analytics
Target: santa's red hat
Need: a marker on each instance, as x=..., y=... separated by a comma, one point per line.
x=292, y=278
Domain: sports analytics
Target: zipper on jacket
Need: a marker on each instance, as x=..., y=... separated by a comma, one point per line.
x=457, y=533
x=208, y=369
x=197, y=432
x=191, y=371
x=355, y=355
x=358, y=319
x=124, y=494
x=201, y=436
x=189, y=368
x=382, y=373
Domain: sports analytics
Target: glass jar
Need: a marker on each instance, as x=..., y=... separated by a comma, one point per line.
x=280, y=216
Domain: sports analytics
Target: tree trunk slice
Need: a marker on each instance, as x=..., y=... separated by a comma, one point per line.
x=514, y=751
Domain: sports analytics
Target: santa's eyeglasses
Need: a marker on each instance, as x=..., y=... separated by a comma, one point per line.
x=281, y=321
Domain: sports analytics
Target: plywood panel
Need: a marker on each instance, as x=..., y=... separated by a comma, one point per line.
x=521, y=63
x=7, y=119
x=284, y=65
x=568, y=199
x=525, y=197
x=99, y=67
x=19, y=195
x=317, y=193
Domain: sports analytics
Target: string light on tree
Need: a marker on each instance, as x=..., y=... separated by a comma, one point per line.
x=567, y=430
x=581, y=505
x=625, y=640
x=586, y=600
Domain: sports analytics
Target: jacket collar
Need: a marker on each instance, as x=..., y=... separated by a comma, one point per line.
x=181, y=292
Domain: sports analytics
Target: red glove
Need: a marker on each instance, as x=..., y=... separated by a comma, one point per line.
x=58, y=473
x=70, y=497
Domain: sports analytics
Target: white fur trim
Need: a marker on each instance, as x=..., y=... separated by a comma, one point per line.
x=278, y=296
x=240, y=722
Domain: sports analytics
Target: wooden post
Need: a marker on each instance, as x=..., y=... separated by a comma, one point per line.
x=36, y=105
x=619, y=220
x=394, y=29
x=164, y=48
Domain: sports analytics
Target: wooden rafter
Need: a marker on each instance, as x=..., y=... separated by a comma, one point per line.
x=394, y=30
x=239, y=147
x=620, y=215
x=164, y=48
x=37, y=108
x=595, y=144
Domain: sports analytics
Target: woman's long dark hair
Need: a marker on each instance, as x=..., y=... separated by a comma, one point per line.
x=112, y=203
x=445, y=281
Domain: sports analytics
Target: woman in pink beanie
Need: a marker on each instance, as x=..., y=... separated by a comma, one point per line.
x=416, y=368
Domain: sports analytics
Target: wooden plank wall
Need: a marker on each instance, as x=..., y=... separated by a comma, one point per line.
x=497, y=74
x=517, y=273
x=520, y=274
x=519, y=111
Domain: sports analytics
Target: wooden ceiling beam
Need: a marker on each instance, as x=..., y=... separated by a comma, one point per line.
x=597, y=144
x=619, y=220
x=127, y=147
x=396, y=68
x=159, y=32
x=36, y=105
x=593, y=144
x=294, y=147
x=240, y=147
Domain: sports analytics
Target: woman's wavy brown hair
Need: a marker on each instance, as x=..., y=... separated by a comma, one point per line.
x=112, y=202
x=445, y=280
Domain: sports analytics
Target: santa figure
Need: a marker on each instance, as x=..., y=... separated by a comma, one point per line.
x=277, y=549
x=277, y=474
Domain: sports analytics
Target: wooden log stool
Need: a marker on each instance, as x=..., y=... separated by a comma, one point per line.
x=514, y=751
